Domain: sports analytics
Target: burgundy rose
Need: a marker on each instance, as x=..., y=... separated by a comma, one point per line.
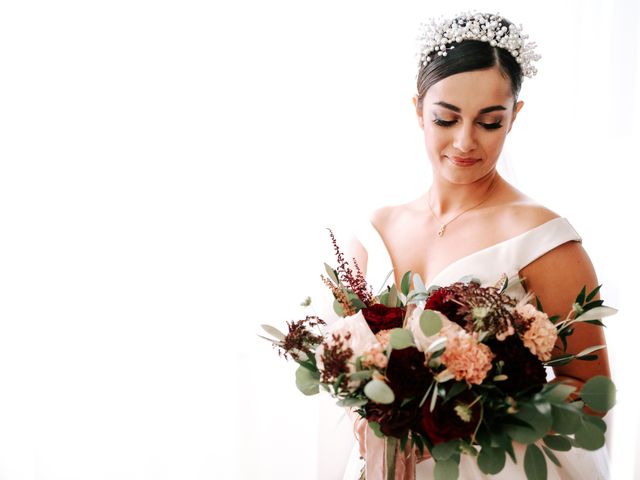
x=394, y=420
x=380, y=317
x=522, y=368
x=444, y=423
x=441, y=301
x=408, y=377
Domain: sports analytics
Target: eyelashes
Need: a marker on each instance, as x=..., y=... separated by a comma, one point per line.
x=447, y=123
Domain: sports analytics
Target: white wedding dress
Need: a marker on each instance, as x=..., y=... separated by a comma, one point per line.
x=487, y=266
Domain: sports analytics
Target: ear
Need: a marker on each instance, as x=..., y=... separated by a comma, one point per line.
x=517, y=109
x=418, y=112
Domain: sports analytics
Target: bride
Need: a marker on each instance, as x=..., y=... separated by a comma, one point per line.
x=471, y=221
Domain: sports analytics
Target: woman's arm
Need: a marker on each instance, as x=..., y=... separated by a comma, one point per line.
x=556, y=278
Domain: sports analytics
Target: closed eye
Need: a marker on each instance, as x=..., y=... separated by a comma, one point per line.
x=491, y=126
x=447, y=123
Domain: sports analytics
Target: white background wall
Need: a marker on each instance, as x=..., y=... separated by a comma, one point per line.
x=166, y=172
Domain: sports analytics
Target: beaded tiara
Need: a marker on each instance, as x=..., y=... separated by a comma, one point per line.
x=438, y=35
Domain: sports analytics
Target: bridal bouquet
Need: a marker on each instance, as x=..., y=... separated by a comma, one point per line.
x=457, y=370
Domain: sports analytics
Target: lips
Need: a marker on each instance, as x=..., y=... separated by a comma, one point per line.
x=464, y=161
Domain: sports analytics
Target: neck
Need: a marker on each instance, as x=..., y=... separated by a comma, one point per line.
x=448, y=198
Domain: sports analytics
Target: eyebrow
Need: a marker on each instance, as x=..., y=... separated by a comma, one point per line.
x=492, y=108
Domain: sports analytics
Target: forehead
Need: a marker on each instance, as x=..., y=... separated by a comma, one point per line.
x=472, y=91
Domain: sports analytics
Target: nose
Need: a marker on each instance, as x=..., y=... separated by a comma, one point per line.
x=464, y=139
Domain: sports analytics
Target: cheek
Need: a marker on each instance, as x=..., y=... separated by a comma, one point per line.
x=436, y=138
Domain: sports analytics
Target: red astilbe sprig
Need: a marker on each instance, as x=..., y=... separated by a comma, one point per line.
x=300, y=338
x=356, y=282
x=334, y=357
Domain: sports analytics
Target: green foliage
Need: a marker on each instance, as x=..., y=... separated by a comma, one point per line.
x=566, y=419
x=430, y=322
x=446, y=470
x=535, y=465
x=491, y=460
x=557, y=442
x=551, y=456
x=589, y=436
x=375, y=426
x=405, y=283
x=599, y=393
x=332, y=274
x=308, y=382
x=273, y=331
x=443, y=451
x=558, y=392
x=378, y=391
x=401, y=338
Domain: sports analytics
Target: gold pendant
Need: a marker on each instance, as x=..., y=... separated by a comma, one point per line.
x=441, y=231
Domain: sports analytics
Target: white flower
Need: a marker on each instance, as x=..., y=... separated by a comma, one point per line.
x=355, y=333
x=422, y=341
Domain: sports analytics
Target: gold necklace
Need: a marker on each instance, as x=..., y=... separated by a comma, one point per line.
x=443, y=226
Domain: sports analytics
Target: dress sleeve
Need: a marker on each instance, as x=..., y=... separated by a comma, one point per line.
x=543, y=239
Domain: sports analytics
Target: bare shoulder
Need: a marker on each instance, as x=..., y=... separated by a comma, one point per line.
x=519, y=214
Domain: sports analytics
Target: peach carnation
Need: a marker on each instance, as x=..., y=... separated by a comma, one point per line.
x=467, y=359
x=540, y=334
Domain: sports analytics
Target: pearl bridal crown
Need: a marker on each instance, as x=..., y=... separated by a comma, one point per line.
x=438, y=35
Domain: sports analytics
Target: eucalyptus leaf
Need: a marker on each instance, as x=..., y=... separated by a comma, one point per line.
x=275, y=342
x=540, y=423
x=560, y=360
x=379, y=392
x=589, y=437
x=566, y=419
x=491, y=460
x=521, y=433
x=356, y=303
x=593, y=293
x=436, y=345
x=337, y=307
x=597, y=313
x=404, y=283
x=599, y=393
x=557, y=442
x=308, y=382
x=559, y=393
x=597, y=421
x=385, y=282
x=375, y=426
x=443, y=451
x=446, y=470
x=273, y=331
x=400, y=338
x=361, y=375
x=392, y=301
x=331, y=273
x=551, y=456
x=418, y=283
x=581, y=295
x=455, y=389
x=535, y=466
x=589, y=350
x=434, y=397
x=430, y=322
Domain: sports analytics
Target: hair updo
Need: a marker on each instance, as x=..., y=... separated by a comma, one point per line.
x=467, y=56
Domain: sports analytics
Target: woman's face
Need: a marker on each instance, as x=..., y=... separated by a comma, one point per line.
x=465, y=119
